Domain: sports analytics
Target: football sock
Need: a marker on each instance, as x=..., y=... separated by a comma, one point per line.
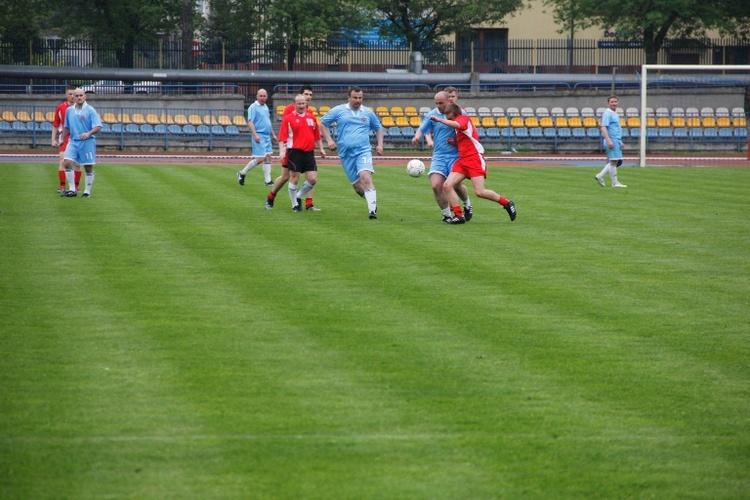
x=304, y=189
x=249, y=166
x=308, y=202
x=267, y=172
x=446, y=212
x=70, y=178
x=61, y=176
x=89, y=181
x=77, y=174
x=292, y=188
x=604, y=171
x=457, y=211
x=504, y=201
x=271, y=195
x=372, y=199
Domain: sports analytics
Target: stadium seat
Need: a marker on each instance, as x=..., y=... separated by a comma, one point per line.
x=175, y=129
x=692, y=112
x=738, y=112
x=679, y=121
x=382, y=111
x=739, y=121
x=408, y=132
x=217, y=130
x=579, y=133
x=665, y=132
x=516, y=122
x=280, y=110
x=590, y=122
x=47, y=126
x=662, y=112
x=635, y=132
x=397, y=111
x=189, y=129
x=556, y=112
x=210, y=120
x=488, y=122
x=166, y=119
x=395, y=133
x=502, y=122
x=50, y=116
x=117, y=128
x=147, y=128
x=424, y=110
x=106, y=128
x=723, y=121
x=512, y=111
x=680, y=133
x=415, y=121
x=571, y=112
x=125, y=119
x=388, y=122
x=160, y=129
x=663, y=121
x=527, y=111
x=474, y=120
x=195, y=120
x=575, y=122
x=493, y=133
x=409, y=111
x=181, y=120
x=239, y=121
x=550, y=133
x=623, y=123
x=506, y=132
x=707, y=112
x=482, y=133
x=232, y=130
x=224, y=120
x=132, y=128
x=693, y=121
x=625, y=132
x=536, y=133
x=632, y=113
x=39, y=117
x=740, y=132
x=561, y=122
x=593, y=133
x=152, y=119
x=9, y=116
x=711, y=133
x=650, y=122
x=402, y=121
x=649, y=112
x=497, y=112
x=541, y=111
x=521, y=132
x=324, y=109
x=652, y=132
x=138, y=119
x=109, y=118
x=725, y=132
x=203, y=129
x=484, y=111
x=633, y=122
x=470, y=111
x=696, y=132
x=587, y=111
x=709, y=122
x=678, y=112
x=546, y=121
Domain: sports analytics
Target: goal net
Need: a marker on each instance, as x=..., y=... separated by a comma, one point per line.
x=692, y=115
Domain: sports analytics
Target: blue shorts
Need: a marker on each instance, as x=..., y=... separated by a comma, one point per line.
x=442, y=166
x=81, y=152
x=615, y=153
x=353, y=165
x=262, y=148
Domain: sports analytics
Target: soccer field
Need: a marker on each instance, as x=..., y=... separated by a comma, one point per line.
x=169, y=337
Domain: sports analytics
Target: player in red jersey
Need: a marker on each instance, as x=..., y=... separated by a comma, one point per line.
x=306, y=91
x=58, y=123
x=300, y=132
x=470, y=163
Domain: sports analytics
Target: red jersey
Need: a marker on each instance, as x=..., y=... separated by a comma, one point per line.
x=467, y=137
x=300, y=131
x=59, y=120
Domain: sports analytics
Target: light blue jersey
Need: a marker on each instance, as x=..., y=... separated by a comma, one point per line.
x=444, y=155
x=80, y=121
x=353, y=128
x=611, y=121
x=260, y=116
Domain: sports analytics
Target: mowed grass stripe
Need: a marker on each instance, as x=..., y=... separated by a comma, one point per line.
x=537, y=372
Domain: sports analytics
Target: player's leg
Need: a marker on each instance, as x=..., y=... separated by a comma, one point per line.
x=61, y=171
x=89, y=153
x=449, y=186
x=365, y=171
x=436, y=182
x=267, y=168
x=477, y=183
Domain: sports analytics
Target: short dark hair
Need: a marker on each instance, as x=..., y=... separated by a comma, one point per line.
x=306, y=87
x=353, y=89
x=453, y=109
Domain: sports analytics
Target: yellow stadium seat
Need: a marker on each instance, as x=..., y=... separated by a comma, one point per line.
x=475, y=120
x=181, y=120
x=415, y=121
x=280, y=109
x=693, y=121
x=488, y=122
x=723, y=121
x=410, y=111
x=324, y=109
x=739, y=122
x=546, y=122
x=503, y=122
x=195, y=120
x=402, y=121
x=516, y=121
x=109, y=118
x=709, y=121
x=650, y=122
x=39, y=117
x=138, y=119
x=23, y=116
x=239, y=121
x=9, y=116
x=125, y=119
x=382, y=111
x=678, y=121
x=224, y=120
x=50, y=116
x=152, y=119
x=575, y=122
x=166, y=119
x=388, y=122
x=663, y=121
x=561, y=122
x=397, y=111
x=210, y=120
x=590, y=122
x=634, y=122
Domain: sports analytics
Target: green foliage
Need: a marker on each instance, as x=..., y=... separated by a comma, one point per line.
x=170, y=338
x=654, y=22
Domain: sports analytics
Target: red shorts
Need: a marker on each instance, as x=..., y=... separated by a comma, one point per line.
x=471, y=166
x=64, y=143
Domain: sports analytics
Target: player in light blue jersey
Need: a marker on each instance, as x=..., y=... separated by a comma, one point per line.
x=263, y=137
x=444, y=155
x=354, y=123
x=81, y=124
x=612, y=141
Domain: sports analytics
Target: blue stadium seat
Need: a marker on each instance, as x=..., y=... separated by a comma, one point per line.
x=481, y=132
x=635, y=132
x=652, y=132
x=522, y=132
x=564, y=132
x=189, y=129
x=117, y=128
x=740, y=132
x=725, y=132
x=680, y=133
x=161, y=129
x=232, y=130
x=175, y=129
x=46, y=126
x=147, y=128
x=132, y=128
x=19, y=127
x=493, y=133
x=593, y=133
x=408, y=132
x=536, y=133
x=217, y=130
x=5, y=127
x=203, y=129
x=550, y=132
x=665, y=132
x=394, y=132
x=579, y=133
x=711, y=133
x=506, y=132
x=625, y=132
x=696, y=132
x=106, y=128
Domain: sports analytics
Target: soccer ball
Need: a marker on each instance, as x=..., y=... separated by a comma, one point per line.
x=415, y=168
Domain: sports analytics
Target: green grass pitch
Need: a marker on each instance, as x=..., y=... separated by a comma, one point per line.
x=170, y=338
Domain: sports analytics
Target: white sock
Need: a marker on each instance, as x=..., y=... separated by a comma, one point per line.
x=467, y=203
x=267, y=172
x=604, y=171
x=89, y=182
x=372, y=199
x=306, y=187
x=249, y=166
x=292, y=188
x=70, y=177
x=447, y=212
x=613, y=173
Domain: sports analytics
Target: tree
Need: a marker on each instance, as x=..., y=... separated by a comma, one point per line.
x=654, y=21
x=422, y=23
x=20, y=23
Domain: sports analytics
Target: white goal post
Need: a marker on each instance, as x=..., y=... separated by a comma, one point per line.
x=692, y=68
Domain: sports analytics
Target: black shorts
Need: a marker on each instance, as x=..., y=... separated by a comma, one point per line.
x=301, y=161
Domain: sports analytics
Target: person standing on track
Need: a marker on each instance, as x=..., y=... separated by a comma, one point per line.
x=354, y=123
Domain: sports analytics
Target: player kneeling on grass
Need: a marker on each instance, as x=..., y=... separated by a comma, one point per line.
x=470, y=163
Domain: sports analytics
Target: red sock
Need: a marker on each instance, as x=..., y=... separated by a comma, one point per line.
x=503, y=201
x=78, y=178
x=61, y=176
x=457, y=211
x=271, y=195
x=308, y=202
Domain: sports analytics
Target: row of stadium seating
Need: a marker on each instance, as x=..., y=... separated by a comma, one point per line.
x=135, y=117
x=573, y=122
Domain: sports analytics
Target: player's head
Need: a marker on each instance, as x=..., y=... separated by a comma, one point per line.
x=452, y=110
x=441, y=101
x=300, y=104
x=262, y=96
x=356, y=96
x=307, y=91
x=612, y=102
x=452, y=93
x=69, y=94
x=79, y=95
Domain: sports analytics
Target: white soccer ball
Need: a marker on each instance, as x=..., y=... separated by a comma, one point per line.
x=415, y=168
